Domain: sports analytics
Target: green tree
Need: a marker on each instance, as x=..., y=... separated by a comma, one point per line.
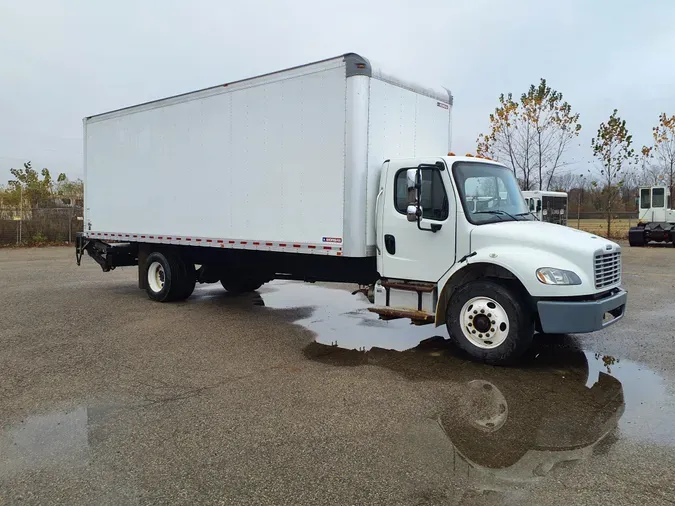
x=69, y=190
x=612, y=147
x=531, y=135
x=35, y=187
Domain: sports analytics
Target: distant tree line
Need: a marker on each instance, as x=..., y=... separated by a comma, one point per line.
x=37, y=208
x=32, y=189
x=532, y=135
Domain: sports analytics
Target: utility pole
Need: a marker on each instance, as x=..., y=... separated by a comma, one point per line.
x=20, y=211
x=581, y=190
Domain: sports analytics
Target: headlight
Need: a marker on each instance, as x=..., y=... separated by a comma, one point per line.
x=551, y=276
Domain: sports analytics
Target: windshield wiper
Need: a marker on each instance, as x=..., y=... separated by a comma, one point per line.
x=529, y=212
x=497, y=212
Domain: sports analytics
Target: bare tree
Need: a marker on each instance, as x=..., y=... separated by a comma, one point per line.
x=612, y=146
x=532, y=135
x=664, y=148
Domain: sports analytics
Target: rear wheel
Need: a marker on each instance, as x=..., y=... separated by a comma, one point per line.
x=636, y=236
x=168, y=277
x=490, y=322
x=241, y=284
x=188, y=279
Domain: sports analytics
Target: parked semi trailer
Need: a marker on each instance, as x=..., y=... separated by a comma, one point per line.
x=656, y=223
x=547, y=206
x=336, y=171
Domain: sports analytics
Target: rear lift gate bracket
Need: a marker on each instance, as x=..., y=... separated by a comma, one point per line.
x=108, y=256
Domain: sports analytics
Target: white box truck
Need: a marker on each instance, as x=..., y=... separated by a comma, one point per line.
x=337, y=171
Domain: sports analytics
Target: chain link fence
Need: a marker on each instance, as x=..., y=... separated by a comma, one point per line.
x=40, y=225
x=61, y=224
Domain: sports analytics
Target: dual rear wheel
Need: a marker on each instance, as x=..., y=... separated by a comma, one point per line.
x=170, y=278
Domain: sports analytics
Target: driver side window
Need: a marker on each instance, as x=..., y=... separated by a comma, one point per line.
x=434, y=197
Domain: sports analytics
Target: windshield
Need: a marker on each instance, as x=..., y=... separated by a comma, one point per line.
x=489, y=193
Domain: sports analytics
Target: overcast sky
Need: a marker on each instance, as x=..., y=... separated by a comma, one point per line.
x=62, y=60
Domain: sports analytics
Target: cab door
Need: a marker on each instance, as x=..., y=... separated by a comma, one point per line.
x=416, y=251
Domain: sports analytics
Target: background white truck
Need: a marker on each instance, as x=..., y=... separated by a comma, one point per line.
x=548, y=206
x=334, y=171
x=656, y=222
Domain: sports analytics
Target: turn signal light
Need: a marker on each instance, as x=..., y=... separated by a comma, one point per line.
x=451, y=154
x=469, y=155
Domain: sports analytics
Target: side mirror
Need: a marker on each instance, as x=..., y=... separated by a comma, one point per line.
x=538, y=205
x=413, y=211
x=532, y=205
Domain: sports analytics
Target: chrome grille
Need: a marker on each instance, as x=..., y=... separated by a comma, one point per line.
x=607, y=269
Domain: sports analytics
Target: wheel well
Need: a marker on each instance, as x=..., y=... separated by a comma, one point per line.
x=473, y=272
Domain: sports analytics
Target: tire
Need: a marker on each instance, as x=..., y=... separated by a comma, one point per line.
x=188, y=279
x=470, y=315
x=166, y=275
x=237, y=285
x=636, y=236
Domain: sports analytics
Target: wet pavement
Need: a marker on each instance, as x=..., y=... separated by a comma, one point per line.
x=299, y=395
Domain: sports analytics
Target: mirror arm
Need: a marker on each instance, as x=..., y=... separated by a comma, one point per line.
x=433, y=227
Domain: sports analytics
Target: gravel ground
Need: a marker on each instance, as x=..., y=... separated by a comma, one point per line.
x=109, y=398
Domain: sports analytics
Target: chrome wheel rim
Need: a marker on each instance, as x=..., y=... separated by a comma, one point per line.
x=484, y=322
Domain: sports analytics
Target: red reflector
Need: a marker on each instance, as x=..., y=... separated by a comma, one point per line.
x=297, y=246
x=282, y=244
x=244, y=242
x=256, y=244
x=231, y=242
x=327, y=247
x=311, y=246
x=269, y=244
x=209, y=240
x=220, y=241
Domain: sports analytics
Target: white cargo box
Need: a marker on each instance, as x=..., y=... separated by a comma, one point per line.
x=288, y=161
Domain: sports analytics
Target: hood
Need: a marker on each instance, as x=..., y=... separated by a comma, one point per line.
x=538, y=244
x=543, y=236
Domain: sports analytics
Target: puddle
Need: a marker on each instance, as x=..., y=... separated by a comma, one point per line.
x=342, y=319
x=506, y=426
x=650, y=410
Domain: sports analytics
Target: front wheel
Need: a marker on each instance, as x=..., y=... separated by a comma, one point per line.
x=490, y=322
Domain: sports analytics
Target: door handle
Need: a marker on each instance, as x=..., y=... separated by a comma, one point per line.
x=390, y=244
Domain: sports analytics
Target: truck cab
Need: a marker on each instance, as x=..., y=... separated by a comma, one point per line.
x=656, y=222
x=653, y=205
x=491, y=272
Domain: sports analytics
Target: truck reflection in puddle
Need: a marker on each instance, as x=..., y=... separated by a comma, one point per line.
x=507, y=427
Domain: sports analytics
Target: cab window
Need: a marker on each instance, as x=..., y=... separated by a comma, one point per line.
x=645, y=199
x=434, y=197
x=658, y=197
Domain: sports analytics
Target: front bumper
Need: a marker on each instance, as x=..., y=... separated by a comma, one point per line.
x=578, y=317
